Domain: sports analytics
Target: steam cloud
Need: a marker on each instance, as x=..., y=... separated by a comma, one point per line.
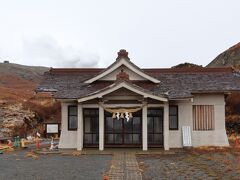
x=47, y=51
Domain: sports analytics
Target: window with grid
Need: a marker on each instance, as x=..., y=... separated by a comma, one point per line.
x=203, y=117
x=155, y=126
x=72, y=118
x=173, y=117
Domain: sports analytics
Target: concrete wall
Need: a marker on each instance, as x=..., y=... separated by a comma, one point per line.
x=216, y=137
x=68, y=139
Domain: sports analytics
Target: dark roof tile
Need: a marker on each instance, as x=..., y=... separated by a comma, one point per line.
x=177, y=83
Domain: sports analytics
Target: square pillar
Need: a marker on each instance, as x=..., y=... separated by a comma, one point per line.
x=144, y=129
x=166, y=126
x=80, y=128
x=101, y=128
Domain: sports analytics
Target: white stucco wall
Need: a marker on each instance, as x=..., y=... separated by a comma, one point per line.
x=216, y=137
x=68, y=139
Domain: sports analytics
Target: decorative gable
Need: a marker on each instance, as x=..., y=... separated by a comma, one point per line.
x=125, y=85
x=122, y=63
x=112, y=76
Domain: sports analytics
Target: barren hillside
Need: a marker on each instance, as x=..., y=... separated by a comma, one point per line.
x=228, y=58
x=17, y=82
x=20, y=108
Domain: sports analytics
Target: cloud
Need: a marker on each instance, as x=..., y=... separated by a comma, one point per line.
x=47, y=51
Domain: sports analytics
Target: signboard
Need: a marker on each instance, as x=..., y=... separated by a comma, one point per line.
x=187, y=139
x=52, y=128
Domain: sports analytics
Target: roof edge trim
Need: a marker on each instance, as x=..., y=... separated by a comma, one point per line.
x=116, y=65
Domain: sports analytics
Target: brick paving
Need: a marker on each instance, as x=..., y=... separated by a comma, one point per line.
x=124, y=167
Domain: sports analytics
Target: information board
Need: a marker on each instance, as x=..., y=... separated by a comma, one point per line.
x=52, y=128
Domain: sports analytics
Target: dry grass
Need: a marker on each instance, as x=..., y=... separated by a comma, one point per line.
x=32, y=155
x=76, y=153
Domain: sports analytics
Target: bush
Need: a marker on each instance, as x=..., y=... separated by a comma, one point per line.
x=233, y=124
x=44, y=112
x=233, y=104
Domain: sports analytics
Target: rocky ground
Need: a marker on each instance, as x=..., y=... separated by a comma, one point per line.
x=21, y=109
x=13, y=117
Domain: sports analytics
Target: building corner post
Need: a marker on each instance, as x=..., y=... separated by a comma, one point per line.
x=144, y=128
x=80, y=128
x=166, y=126
x=101, y=127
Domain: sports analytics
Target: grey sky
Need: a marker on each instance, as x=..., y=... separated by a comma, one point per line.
x=81, y=33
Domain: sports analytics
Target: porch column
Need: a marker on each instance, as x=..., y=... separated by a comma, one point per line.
x=80, y=128
x=101, y=128
x=144, y=129
x=166, y=126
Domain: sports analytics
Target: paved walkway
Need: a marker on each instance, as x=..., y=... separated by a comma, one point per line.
x=124, y=167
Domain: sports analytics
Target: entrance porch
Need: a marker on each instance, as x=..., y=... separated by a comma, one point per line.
x=148, y=127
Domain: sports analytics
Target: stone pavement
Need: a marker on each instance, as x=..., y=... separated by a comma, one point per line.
x=124, y=167
x=188, y=165
x=17, y=166
x=121, y=164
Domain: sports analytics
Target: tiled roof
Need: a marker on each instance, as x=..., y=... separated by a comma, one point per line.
x=176, y=83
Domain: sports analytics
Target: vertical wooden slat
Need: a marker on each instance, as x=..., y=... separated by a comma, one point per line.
x=196, y=125
x=206, y=117
x=201, y=116
x=210, y=118
x=198, y=118
x=213, y=125
x=193, y=117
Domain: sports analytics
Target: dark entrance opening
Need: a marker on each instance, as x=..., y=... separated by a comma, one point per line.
x=123, y=133
x=155, y=127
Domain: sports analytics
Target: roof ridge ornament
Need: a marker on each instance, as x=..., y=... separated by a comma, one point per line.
x=123, y=54
x=122, y=60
